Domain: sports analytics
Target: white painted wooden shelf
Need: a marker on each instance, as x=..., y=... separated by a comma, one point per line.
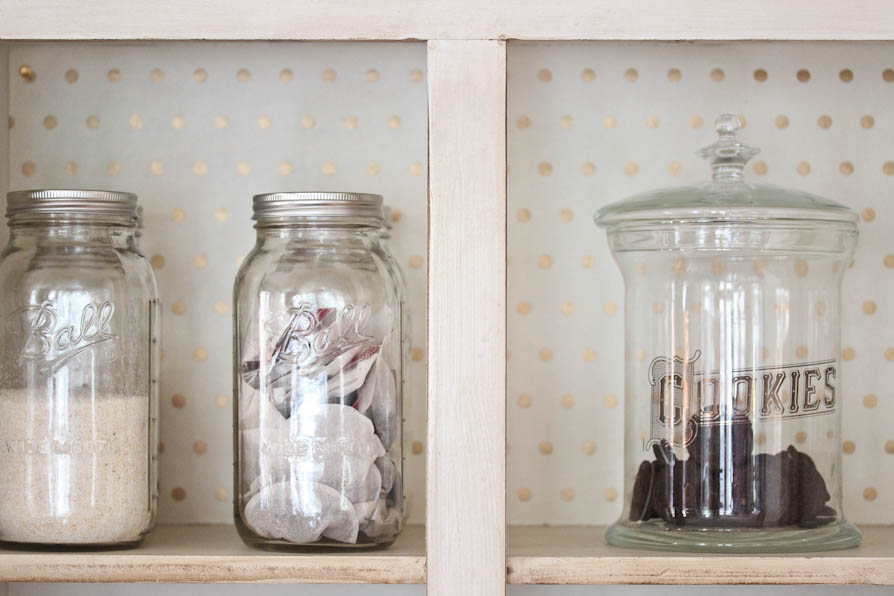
x=579, y=555
x=215, y=553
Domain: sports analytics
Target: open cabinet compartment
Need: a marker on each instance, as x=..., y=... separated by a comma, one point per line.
x=195, y=129
x=589, y=124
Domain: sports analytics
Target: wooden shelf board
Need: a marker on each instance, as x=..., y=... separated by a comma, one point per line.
x=215, y=553
x=579, y=555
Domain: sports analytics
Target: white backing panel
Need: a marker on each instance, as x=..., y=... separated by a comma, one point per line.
x=592, y=123
x=195, y=129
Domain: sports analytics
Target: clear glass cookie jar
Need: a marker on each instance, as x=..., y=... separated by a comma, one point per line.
x=318, y=376
x=733, y=379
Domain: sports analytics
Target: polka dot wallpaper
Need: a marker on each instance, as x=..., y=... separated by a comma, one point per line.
x=195, y=130
x=592, y=123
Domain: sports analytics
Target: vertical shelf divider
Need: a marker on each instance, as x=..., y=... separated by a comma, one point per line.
x=466, y=473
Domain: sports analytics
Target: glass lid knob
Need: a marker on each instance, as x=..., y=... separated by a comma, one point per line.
x=727, y=155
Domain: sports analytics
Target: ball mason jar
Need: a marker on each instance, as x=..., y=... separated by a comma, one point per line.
x=317, y=376
x=733, y=379
x=78, y=372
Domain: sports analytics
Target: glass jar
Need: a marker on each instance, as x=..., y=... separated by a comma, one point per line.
x=733, y=373
x=317, y=376
x=78, y=376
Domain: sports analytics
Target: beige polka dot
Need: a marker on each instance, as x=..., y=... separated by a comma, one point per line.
x=674, y=167
x=653, y=122
x=545, y=447
x=867, y=121
x=286, y=168
x=588, y=261
x=286, y=75
x=71, y=75
x=416, y=75
x=566, y=122
x=221, y=121
x=221, y=307
x=544, y=75
x=524, y=401
x=396, y=214
x=631, y=75
x=718, y=267
x=631, y=168
x=588, y=75
x=136, y=122
x=567, y=401
x=830, y=434
x=803, y=75
x=889, y=261
x=178, y=494
x=243, y=75
x=801, y=268
x=28, y=168
x=696, y=121
x=889, y=447
x=846, y=168
x=641, y=354
x=157, y=75
x=611, y=493
x=678, y=266
x=820, y=308
x=868, y=214
x=372, y=75
x=221, y=214
x=588, y=168
x=200, y=447
x=11, y=122
x=394, y=122
x=113, y=168
x=888, y=168
x=658, y=308
x=416, y=168
x=889, y=354
x=329, y=75
x=178, y=122
x=178, y=400
x=846, y=75
x=674, y=75
x=157, y=261
x=610, y=401
x=760, y=75
x=523, y=122
x=870, y=400
x=803, y=168
x=222, y=400
x=544, y=168
x=800, y=436
x=243, y=168
x=161, y=446
x=351, y=122
x=566, y=215
x=50, y=122
x=200, y=75
x=609, y=122
x=848, y=447
x=157, y=168
x=801, y=352
x=567, y=308
x=71, y=168
x=416, y=261
x=610, y=308
x=870, y=494
x=178, y=215
x=200, y=261
x=221, y=494
x=545, y=354
x=589, y=448
x=523, y=215
x=179, y=307
x=759, y=168
x=566, y=494
x=416, y=447
x=761, y=438
x=329, y=168
x=523, y=308
x=717, y=75
x=824, y=122
x=265, y=121
x=416, y=354
x=545, y=261
x=373, y=169
x=524, y=494
x=782, y=121
x=27, y=73
x=869, y=307
x=200, y=168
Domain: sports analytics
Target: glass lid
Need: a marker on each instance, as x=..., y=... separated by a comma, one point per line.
x=727, y=197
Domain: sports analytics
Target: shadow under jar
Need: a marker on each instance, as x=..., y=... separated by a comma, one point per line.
x=733, y=374
x=78, y=372
x=318, y=366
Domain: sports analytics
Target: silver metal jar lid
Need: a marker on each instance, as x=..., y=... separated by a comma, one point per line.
x=317, y=205
x=101, y=203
